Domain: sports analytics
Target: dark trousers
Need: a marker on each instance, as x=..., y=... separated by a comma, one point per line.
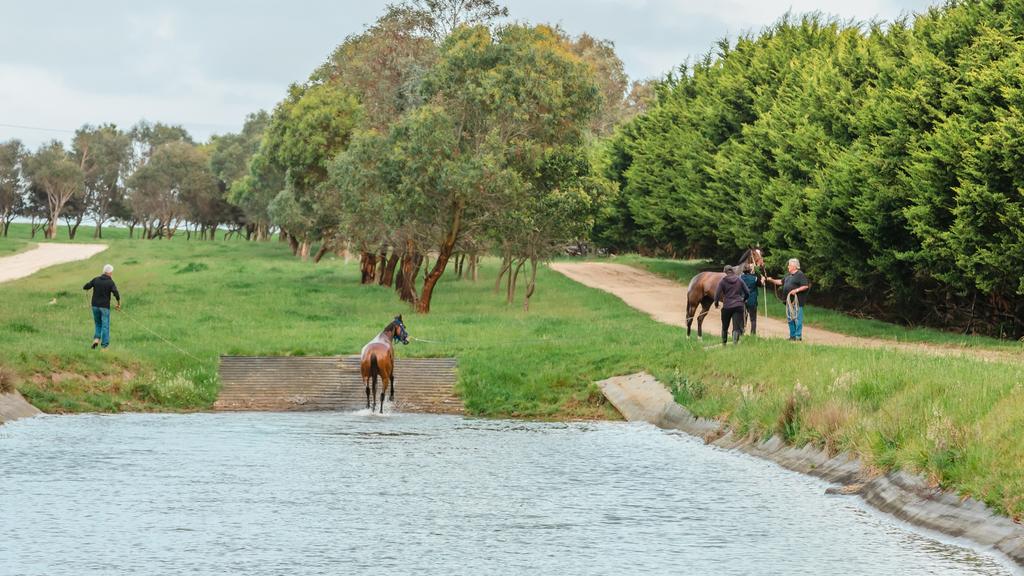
x=752, y=314
x=735, y=316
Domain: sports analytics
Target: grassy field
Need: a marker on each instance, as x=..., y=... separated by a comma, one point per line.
x=12, y=245
x=683, y=270
x=957, y=420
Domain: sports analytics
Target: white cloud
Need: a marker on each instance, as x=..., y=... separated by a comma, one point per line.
x=40, y=98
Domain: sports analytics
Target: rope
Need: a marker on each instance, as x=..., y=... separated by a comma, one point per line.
x=792, y=307
x=165, y=340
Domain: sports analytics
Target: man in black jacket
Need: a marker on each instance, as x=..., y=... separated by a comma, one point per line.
x=102, y=287
x=732, y=293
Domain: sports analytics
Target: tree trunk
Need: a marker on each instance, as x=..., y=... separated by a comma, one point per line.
x=382, y=269
x=406, y=282
x=474, y=268
x=368, y=267
x=324, y=247
x=423, y=306
x=387, y=276
x=532, y=284
x=514, y=281
x=304, y=250
x=51, y=230
x=506, y=263
x=294, y=243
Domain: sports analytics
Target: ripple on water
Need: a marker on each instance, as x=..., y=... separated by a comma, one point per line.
x=328, y=493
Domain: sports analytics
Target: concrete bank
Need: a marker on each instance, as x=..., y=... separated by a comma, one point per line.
x=640, y=397
x=14, y=406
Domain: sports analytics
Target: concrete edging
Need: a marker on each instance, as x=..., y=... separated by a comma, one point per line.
x=14, y=406
x=640, y=397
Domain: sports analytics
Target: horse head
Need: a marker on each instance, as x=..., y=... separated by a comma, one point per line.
x=398, y=331
x=752, y=257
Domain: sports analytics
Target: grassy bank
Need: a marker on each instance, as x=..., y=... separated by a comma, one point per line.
x=957, y=420
x=683, y=270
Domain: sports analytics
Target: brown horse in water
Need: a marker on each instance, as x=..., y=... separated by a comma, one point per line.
x=702, y=288
x=378, y=359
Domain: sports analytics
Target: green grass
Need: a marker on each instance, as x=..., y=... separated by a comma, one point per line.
x=957, y=420
x=10, y=244
x=826, y=319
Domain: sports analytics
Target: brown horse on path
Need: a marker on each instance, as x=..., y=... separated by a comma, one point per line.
x=702, y=288
x=378, y=359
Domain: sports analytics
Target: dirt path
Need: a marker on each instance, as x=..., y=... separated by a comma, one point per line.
x=45, y=255
x=665, y=301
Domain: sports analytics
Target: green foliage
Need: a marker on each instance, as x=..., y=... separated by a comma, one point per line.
x=885, y=158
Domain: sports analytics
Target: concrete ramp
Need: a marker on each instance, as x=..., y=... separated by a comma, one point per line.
x=286, y=383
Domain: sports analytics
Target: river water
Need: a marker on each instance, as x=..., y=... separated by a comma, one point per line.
x=332, y=493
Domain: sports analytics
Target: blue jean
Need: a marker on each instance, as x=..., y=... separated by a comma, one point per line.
x=796, y=325
x=101, y=317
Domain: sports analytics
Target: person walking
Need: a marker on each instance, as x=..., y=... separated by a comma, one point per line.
x=732, y=293
x=102, y=287
x=751, y=281
x=795, y=286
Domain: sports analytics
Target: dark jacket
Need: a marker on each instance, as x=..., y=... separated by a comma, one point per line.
x=732, y=292
x=751, y=282
x=102, y=287
x=794, y=281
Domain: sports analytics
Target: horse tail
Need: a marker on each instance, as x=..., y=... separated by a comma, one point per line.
x=374, y=368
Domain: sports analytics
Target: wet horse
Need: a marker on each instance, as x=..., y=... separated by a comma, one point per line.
x=378, y=359
x=702, y=288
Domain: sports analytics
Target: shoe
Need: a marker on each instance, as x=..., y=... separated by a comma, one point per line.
x=95, y=343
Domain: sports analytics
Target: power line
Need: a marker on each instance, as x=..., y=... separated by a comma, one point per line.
x=36, y=128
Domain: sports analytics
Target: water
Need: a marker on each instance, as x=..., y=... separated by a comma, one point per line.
x=336, y=493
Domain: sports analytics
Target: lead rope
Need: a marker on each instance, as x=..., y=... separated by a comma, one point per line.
x=165, y=340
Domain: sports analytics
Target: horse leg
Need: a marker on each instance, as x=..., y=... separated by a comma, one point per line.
x=705, y=306
x=366, y=382
x=690, y=309
x=374, y=407
x=391, y=393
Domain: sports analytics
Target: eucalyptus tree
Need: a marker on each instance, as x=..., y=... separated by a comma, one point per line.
x=56, y=173
x=12, y=182
x=104, y=154
x=497, y=101
x=169, y=188
x=442, y=17
x=230, y=157
x=306, y=131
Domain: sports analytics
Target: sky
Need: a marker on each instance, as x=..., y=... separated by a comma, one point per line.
x=206, y=64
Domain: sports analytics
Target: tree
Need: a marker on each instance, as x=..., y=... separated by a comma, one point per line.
x=497, y=101
x=383, y=65
x=307, y=130
x=230, y=158
x=170, y=187
x=610, y=77
x=104, y=155
x=12, y=184
x=442, y=17
x=59, y=176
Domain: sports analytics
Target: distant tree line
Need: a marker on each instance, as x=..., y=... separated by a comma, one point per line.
x=888, y=158
x=153, y=179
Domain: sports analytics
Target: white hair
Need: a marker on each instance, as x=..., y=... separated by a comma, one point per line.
x=795, y=262
x=108, y=269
